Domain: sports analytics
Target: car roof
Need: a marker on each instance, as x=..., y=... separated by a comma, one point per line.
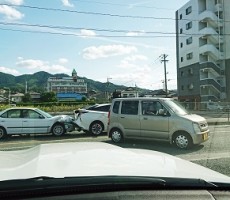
x=141, y=98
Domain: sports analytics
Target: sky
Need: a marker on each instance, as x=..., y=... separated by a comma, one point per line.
x=118, y=41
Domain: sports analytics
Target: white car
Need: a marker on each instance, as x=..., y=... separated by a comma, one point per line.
x=86, y=171
x=93, y=119
x=16, y=121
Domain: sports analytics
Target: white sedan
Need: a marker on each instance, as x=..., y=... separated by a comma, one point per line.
x=14, y=121
x=93, y=119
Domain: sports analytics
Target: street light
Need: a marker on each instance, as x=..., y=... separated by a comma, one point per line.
x=6, y=88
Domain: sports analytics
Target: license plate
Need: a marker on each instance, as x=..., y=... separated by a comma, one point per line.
x=205, y=136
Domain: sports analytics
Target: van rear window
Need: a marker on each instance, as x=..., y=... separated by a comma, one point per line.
x=116, y=107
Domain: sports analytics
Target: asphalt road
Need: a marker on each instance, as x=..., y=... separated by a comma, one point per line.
x=214, y=153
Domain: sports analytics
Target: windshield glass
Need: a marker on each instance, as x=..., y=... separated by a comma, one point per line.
x=44, y=113
x=176, y=107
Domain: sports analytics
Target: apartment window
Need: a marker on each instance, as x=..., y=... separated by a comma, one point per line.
x=188, y=10
x=190, y=71
x=182, y=87
x=189, y=40
x=181, y=73
x=180, y=16
x=181, y=44
x=181, y=59
x=181, y=31
x=190, y=86
x=189, y=56
x=188, y=25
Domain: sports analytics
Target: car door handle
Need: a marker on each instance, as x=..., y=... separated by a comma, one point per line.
x=25, y=121
x=145, y=118
x=122, y=117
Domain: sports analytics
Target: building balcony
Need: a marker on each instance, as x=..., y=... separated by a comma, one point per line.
x=211, y=50
x=212, y=35
x=211, y=18
x=210, y=66
x=211, y=83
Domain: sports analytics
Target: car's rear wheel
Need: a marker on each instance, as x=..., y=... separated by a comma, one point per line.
x=96, y=128
x=182, y=140
x=58, y=129
x=2, y=133
x=116, y=135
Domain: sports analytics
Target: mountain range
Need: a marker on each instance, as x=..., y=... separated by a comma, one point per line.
x=37, y=83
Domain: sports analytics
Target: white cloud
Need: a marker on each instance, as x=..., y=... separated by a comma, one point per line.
x=10, y=13
x=105, y=51
x=136, y=58
x=39, y=65
x=63, y=60
x=15, y=2
x=67, y=3
x=139, y=33
x=9, y=71
x=87, y=33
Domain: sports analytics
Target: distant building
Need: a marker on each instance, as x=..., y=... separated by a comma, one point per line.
x=203, y=50
x=17, y=97
x=130, y=92
x=35, y=96
x=67, y=85
x=69, y=96
x=3, y=99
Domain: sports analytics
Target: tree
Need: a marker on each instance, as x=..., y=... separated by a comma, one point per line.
x=26, y=98
x=48, y=97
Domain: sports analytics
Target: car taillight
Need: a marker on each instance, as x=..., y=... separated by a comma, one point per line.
x=108, y=117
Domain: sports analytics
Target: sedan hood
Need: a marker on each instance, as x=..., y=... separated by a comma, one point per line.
x=59, y=160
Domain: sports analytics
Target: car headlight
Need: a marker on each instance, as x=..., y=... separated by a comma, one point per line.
x=196, y=127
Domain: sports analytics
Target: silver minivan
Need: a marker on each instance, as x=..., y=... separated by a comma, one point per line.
x=162, y=119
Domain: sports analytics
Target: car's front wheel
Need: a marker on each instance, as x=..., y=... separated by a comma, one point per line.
x=2, y=133
x=58, y=129
x=116, y=135
x=96, y=128
x=182, y=140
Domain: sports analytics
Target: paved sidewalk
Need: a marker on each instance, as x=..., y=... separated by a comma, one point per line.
x=218, y=121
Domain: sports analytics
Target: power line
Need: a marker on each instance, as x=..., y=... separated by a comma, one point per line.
x=80, y=28
x=103, y=14
x=84, y=12
x=122, y=5
x=166, y=34
x=82, y=35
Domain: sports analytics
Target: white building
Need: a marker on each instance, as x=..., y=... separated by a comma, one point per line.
x=67, y=84
x=203, y=50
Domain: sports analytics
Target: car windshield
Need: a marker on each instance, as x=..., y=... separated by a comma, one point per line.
x=128, y=88
x=176, y=107
x=44, y=113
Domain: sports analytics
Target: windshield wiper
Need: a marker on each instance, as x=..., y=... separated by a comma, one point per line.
x=88, y=184
x=105, y=180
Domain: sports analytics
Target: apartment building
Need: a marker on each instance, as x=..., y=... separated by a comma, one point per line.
x=203, y=51
x=68, y=85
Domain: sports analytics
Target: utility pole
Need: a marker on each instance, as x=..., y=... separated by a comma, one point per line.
x=163, y=59
x=107, y=92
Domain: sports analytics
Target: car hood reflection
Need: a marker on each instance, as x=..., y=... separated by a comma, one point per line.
x=79, y=159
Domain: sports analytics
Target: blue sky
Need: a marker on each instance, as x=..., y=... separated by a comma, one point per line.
x=120, y=41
